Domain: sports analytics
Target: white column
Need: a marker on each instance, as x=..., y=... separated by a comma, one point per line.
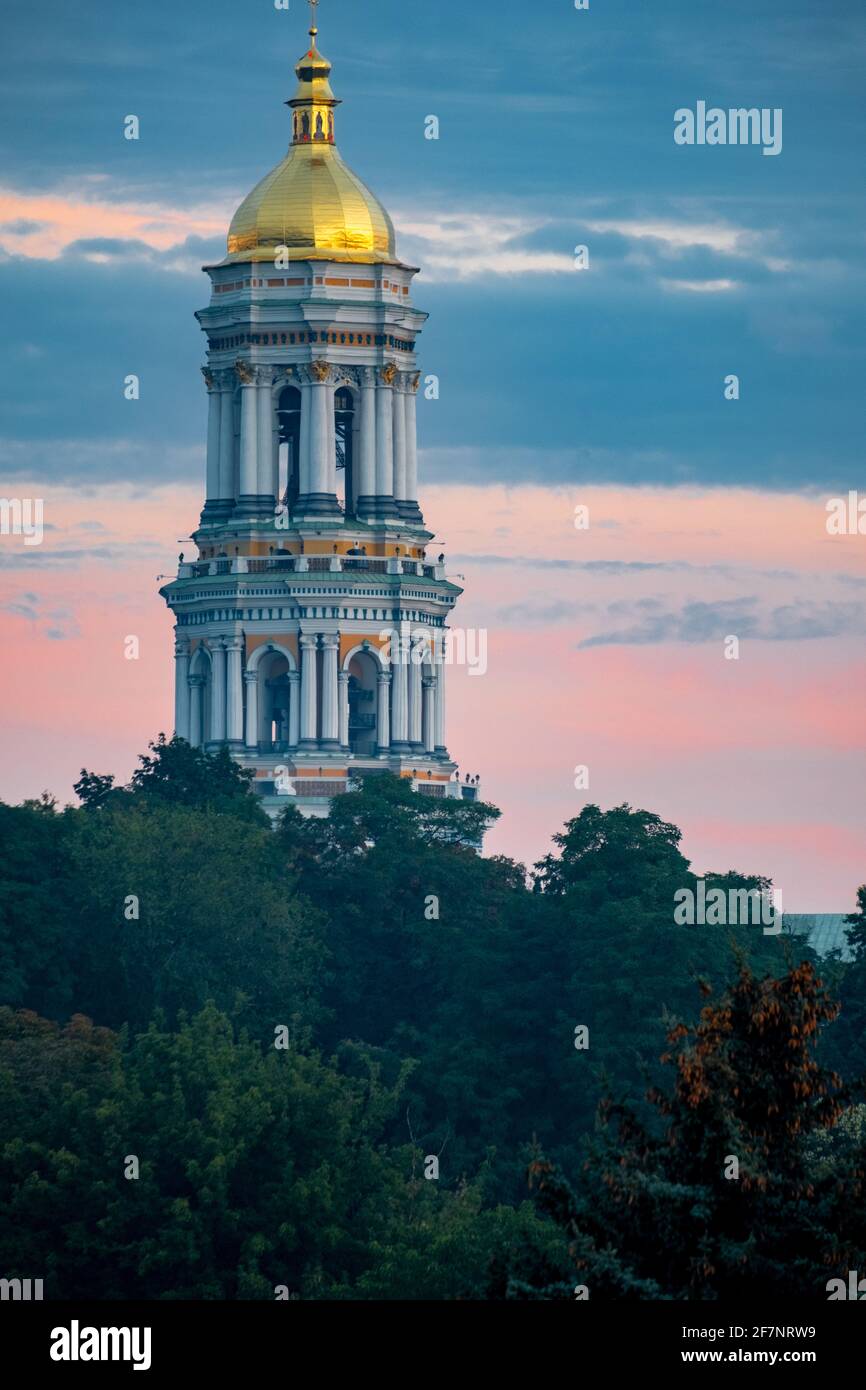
x=399, y=429
x=319, y=439
x=181, y=689
x=429, y=720
x=384, y=442
x=251, y=681
x=344, y=709
x=304, y=470
x=367, y=431
x=400, y=694
x=227, y=438
x=439, y=721
x=294, y=708
x=415, y=677
x=309, y=689
x=196, y=691
x=383, y=712
x=214, y=414
x=409, y=407
x=249, y=479
x=265, y=433
x=330, y=707
x=218, y=695
x=234, y=692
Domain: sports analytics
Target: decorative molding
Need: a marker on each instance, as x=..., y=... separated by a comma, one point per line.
x=388, y=373
x=245, y=373
x=320, y=370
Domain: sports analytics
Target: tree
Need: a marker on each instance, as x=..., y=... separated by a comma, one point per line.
x=196, y=1164
x=170, y=906
x=35, y=969
x=179, y=775
x=723, y=1196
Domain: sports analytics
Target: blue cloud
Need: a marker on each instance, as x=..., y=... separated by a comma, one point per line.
x=614, y=375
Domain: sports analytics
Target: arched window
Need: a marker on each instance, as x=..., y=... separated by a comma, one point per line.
x=344, y=427
x=289, y=420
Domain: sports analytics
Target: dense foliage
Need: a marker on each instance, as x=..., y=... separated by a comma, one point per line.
x=288, y=1031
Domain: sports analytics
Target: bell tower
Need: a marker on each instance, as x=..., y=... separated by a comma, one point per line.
x=311, y=630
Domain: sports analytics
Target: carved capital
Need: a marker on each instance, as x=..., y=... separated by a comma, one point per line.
x=415, y=382
x=366, y=376
x=245, y=373
x=389, y=373
x=320, y=370
x=209, y=378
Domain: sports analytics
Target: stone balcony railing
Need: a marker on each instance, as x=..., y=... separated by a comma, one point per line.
x=309, y=564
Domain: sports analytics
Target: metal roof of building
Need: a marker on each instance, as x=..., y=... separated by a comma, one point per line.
x=824, y=931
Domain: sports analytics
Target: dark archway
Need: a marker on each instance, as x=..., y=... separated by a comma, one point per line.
x=289, y=420
x=344, y=426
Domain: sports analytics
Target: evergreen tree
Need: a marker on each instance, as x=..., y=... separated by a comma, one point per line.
x=724, y=1197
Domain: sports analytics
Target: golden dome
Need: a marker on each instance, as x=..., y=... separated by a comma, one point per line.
x=311, y=202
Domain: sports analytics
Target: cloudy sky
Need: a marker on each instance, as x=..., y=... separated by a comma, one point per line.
x=560, y=387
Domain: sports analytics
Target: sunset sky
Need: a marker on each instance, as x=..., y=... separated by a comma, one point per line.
x=560, y=388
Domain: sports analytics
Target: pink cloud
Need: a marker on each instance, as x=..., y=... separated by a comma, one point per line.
x=63, y=219
x=760, y=761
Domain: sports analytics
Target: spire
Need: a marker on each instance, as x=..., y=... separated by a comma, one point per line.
x=313, y=103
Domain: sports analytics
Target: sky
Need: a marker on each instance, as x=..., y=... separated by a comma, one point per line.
x=560, y=387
